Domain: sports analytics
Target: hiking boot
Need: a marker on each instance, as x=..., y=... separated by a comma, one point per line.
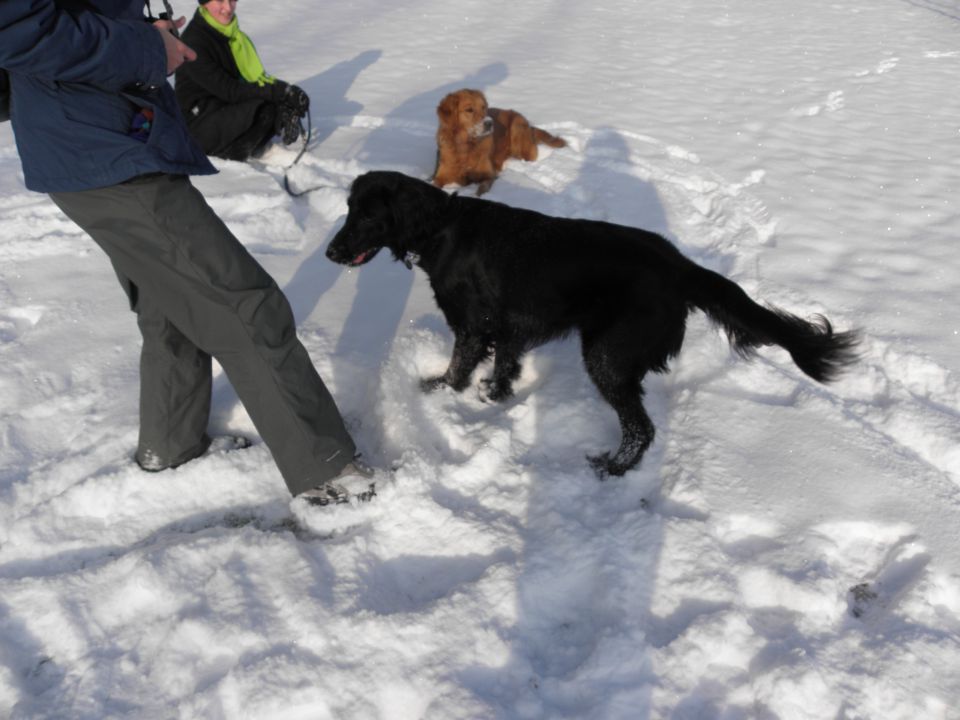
x=148, y=461
x=353, y=481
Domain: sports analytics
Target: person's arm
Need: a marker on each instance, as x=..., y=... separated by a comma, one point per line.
x=206, y=72
x=39, y=39
x=177, y=52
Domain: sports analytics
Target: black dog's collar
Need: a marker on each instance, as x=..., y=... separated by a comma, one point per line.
x=411, y=258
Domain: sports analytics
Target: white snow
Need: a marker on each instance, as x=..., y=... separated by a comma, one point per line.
x=786, y=550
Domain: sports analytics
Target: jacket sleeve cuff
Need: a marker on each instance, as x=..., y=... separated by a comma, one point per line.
x=153, y=70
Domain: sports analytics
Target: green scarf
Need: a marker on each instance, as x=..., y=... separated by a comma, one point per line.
x=242, y=49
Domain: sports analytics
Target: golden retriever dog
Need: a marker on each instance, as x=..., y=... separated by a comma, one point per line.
x=474, y=140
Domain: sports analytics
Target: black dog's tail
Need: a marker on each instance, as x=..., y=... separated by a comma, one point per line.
x=814, y=346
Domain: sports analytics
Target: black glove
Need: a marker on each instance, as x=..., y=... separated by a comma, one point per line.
x=297, y=99
x=288, y=124
x=276, y=91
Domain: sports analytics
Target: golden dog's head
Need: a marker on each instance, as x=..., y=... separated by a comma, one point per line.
x=466, y=111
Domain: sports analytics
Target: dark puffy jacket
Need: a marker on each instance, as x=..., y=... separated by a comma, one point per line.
x=213, y=81
x=79, y=73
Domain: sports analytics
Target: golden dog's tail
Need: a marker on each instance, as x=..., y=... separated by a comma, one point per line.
x=542, y=136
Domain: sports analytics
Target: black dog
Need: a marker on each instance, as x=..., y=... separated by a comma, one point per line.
x=508, y=280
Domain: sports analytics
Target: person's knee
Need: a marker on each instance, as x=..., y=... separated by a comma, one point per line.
x=270, y=318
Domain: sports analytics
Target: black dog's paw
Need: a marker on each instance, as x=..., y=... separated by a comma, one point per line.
x=604, y=467
x=599, y=464
x=491, y=391
x=428, y=385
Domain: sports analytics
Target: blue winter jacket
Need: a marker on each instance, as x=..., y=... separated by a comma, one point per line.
x=80, y=71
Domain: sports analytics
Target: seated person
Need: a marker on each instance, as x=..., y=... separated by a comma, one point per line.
x=232, y=106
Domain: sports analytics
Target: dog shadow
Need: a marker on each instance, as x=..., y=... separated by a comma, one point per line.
x=561, y=622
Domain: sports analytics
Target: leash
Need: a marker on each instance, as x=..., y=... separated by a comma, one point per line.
x=170, y=16
x=306, y=140
x=286, y=178
x=167, y=14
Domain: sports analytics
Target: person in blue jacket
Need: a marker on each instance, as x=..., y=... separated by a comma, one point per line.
x=98, y=128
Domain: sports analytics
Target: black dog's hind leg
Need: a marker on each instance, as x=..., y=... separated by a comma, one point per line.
x=620, y=383
x=637, y=435
x=468, y=352
x=506, y=369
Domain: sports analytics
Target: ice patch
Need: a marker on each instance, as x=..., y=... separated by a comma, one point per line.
x=887, y=65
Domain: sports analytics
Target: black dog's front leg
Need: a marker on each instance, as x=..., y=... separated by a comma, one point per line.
x=468, y=352
x=506, y=369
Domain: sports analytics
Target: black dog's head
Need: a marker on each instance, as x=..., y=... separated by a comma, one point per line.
x=384, y=210
x=369, y=221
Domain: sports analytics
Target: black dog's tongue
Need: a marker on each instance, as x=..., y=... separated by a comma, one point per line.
x=358, y=260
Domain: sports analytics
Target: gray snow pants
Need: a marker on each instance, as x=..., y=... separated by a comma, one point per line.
x=198, y=293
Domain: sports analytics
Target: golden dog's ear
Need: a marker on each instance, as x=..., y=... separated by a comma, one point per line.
x=448, y=106
x=479, y=98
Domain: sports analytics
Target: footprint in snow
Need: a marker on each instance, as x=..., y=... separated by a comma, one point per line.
x=18, y=320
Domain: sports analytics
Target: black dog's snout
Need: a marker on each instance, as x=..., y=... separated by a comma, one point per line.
x=335, y=250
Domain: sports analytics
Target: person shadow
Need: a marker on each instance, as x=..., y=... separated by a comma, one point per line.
x=571, y=606
x=315, y=275
x=329, y=106
x=405, y=142
x=609, y=184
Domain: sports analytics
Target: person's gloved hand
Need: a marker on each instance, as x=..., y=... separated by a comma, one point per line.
x=297, y=99
x=275, y=91
x=288, y=124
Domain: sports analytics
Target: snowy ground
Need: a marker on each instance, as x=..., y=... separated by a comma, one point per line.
x=786, y=550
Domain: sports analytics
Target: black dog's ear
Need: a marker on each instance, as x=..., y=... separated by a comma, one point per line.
x=358, y=182
x=392, y=181
x=373, y=183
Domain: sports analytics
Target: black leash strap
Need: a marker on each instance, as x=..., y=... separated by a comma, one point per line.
x=286, y=179
x=170, y=16
x=306, y=141
x=167, y=14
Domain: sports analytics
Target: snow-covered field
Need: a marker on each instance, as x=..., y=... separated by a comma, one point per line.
x=786, y=550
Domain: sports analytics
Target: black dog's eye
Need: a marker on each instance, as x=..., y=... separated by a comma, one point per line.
x=374, y=225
